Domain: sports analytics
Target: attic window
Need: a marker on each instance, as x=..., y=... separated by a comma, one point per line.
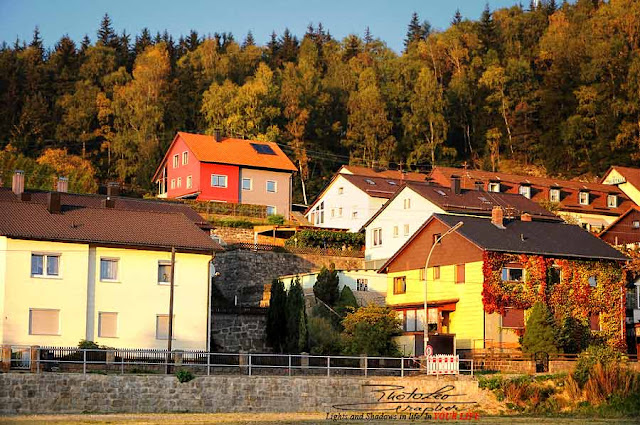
x=612, y=201
x=392, y=183
x=494, y=187
x=584, y=198
x=525, y=190
x=262, y=149
x=441, y=193
x=554, y=195
x=371, y=182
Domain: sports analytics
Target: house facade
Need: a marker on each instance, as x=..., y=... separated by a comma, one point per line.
x=354, y=195
x=592, y=205
x=70, y=272
x=626, y=179
x=413, y=204
x=483, y=277
x=226, y=169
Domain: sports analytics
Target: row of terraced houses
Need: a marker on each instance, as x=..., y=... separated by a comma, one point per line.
x=97, y=267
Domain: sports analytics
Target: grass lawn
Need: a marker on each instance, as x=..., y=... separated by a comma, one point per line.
x=269, y=419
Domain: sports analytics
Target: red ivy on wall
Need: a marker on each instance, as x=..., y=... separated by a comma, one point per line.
x=572, y=295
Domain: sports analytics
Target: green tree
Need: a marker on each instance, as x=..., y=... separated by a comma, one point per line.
x=370, y=330
x=326, y=286
x=276, y=326
x=539, y=334
x=297, y=336
x=573, y=336
x=347, y=303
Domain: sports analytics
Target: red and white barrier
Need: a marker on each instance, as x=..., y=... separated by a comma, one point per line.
x=442, y=364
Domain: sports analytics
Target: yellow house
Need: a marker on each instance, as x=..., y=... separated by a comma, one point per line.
x=70, y=272
x=626, y=179
x=466, y=267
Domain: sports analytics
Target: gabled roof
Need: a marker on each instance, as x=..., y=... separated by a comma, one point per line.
x=234, y=152
x=472, y=201
x=104, y=227
x=377, y=187
x=546, y=238
x=631, y=175
x=618, y=220
x=121, y=203
x=379, y=172
x=540, y=186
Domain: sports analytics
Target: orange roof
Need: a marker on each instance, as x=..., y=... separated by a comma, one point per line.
x=631, y=175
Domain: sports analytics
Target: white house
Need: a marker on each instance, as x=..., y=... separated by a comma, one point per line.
x=388, y=229
x=353, y=195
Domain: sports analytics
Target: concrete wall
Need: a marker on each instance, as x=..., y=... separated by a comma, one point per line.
x=244, y=273
x=76, y=393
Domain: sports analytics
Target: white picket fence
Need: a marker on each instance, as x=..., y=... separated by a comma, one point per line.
x=442, y=364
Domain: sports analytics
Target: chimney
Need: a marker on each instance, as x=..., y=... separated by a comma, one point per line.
x=479, y=186
x=109, y=203
x=497, y=217
x=18, y=182
x=63, y=184
x=525, y=217
x=455, y=185
x=217, y=135
x=53, y=203
x=113, y=189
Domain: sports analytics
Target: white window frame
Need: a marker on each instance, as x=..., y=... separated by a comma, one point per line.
x=31, y=310
x=179, y=182
x=406, y=230
x=583, y=198
x=508, y=269
x=158, y=316
x=612, y=201
x=173, y=183
x=176, y=161
x=525, y=190
x=45, y=263
x=185, y=158
x=396, y=232
x=189, y=182
x=247, y=179
x=273, y=208
x=164, y=263
x=217, y=177
x=117, y=260
x=407, y=203
x=275, y=186
x=339, y=211
x=100, y=313
x=377, y=237
x=493, y=187
x=554, y=195
x=362, y=285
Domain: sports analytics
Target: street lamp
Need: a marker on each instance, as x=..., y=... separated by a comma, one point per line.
x=426, y=279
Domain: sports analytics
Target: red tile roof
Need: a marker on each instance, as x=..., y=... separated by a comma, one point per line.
x=236, y=152
x=375, y=172
x=631, y=175
x=510, y=183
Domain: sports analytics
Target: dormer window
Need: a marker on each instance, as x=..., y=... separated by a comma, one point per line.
x=554, y=195
x=612, y=201
x=583, y=198
x=525, y=190
x=494, y=187
x=371, y=182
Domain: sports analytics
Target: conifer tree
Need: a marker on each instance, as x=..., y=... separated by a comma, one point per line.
x=326, y=286
x=249, y=40
x=414, y=31
x=539, y=334
x=487, y=28
x=457, y=18
x=296, y=318
x=106, y=35
x=276, y=326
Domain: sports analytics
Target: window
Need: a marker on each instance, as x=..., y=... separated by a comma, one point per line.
x=525, y=190
x=339, y=211
x=333, y=212
x=436, y=238
x=164, y=272
x=555, y=274
x=513, y=318
x=218, y=180
x=636, y=224
x=175, y=161
x=369, y=181
x=44, y=321
x=263, y=149
x=421, y=277
x=377, y=237
x=362, y=285
x=554, y=195
x=107, y=325
x=340, y=190
x=593, y=282
x=436, y=272
x=271, y=210
x=512, y=274
x=395, y=231
x=247, y=184
x=407, y=203
x=185, y=158
x=43, y=265
x=413, y=319
x=406, y=230
x=612, y=201
x=108, y=269
x=594, y=322
x=189, y=182
x=399, y=285
x=320, y=215
x=162, y=326
x=272, y=186
x=584, y=198
x=179, y=181
x=494, y=187
x=173, y=183
x=459, y=273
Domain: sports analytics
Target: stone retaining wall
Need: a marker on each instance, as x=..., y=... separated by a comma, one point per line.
x=236, y=331
x=48, y=393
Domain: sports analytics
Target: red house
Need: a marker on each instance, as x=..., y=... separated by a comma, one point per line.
x=226, y=169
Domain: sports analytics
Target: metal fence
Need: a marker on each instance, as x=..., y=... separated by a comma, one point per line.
x=143, y=361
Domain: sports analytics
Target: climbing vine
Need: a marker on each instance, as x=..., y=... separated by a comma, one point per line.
x=584, y=288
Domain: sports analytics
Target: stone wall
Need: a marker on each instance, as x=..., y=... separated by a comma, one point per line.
x=236, y=330
x=48, y=393
x=243, y=273
x=234, y=234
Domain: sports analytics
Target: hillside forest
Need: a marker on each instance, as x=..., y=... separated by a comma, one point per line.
x=554, y=87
